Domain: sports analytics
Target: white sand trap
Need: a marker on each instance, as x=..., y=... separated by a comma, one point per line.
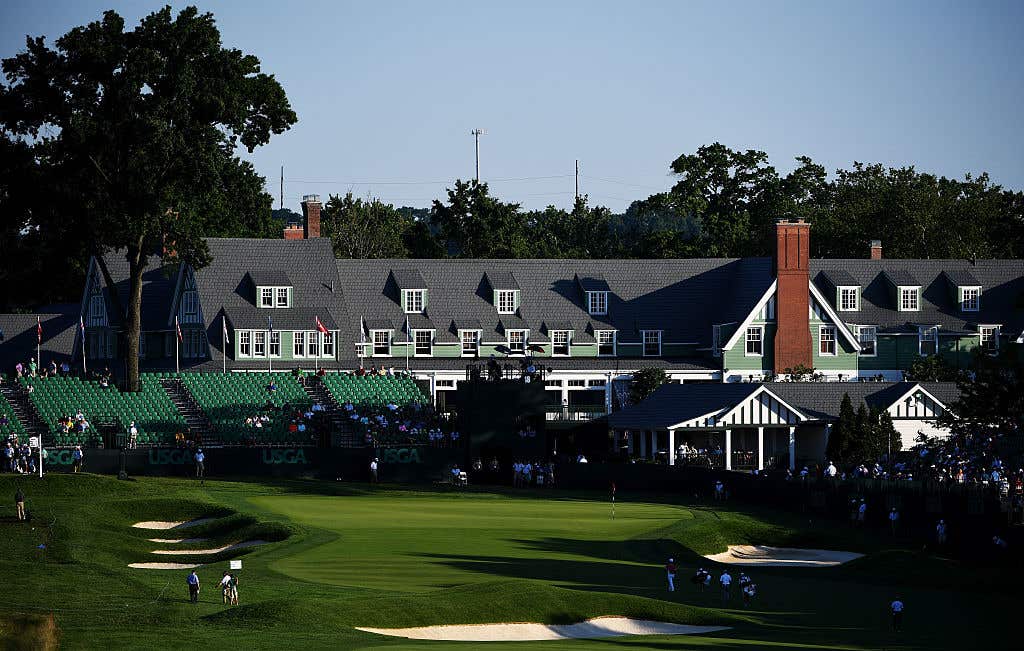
x=159, y=524
x=216, y=550
x=175, y=541
x=782, y=556
x=592, y=628
x=164, y=566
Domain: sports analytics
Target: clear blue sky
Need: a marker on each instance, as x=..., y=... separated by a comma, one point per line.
x=389, y=91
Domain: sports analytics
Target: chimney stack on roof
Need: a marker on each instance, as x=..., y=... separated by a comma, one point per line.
x=876, y=249
x=311, y=216
x=792, y=298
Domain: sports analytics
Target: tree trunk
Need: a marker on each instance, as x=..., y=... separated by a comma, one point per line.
x=133, y=322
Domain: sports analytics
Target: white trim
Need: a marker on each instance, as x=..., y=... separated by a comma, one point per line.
x=526, y=340
x=996, y=331
x=862, y=353
x=615, y=343
x=835, y=344
x=750, y=317
x=751, y=396
x=590, y=303
x=856, y=298
x=920, y=340
x=373, y=342
x=497, y=300
x=917, y=387
x=840, y=326
x=643, y=342
x=423, y=300
x=899, y=298
x=568, y=343
x=745, y=341
x=413, y=334
x=977, y=301
x=479, y=342
x=704, y=420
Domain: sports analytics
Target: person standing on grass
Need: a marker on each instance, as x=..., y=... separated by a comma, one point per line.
x=894, y=519
x=373, y=470
x=897, y=614
x=19, y=503
x=233, y=590
x=225, y=588
x=940, y=532
x=200, y=465
x=76, y=459
x=670, y=571
x=193, y=587
x=726, y=581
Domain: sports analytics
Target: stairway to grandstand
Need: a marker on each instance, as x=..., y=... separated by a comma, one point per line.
x=155, y=416
x=186, y=405
x=227, y=399
x=344, y=436
x=14, y=421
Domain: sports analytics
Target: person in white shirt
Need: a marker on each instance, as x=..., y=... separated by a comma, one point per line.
x=897, y=614
x=225, y=584
x=831, y=471
x=373, y=470
x=726, y=582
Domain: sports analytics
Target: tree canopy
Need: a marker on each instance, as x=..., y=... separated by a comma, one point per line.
x=133, y=134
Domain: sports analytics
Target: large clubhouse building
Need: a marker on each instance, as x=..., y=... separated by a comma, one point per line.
x=591, y=322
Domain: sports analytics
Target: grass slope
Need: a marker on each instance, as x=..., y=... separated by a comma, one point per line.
x=342, y=556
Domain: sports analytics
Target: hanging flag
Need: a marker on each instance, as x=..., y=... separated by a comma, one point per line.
x=270, y=325
x=224, y=327
x=39, y=331
x=320, y=326
x=177, y=328
x=81, y=325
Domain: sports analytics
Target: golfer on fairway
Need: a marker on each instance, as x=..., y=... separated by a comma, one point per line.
x=193, y=587
x=670, y=571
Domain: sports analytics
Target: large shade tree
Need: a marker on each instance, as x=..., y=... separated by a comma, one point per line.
x=139, y=130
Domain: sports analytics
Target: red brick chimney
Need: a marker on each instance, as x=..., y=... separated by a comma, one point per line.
x=294, y=232
x=876, y=249
x=792, y=301
x=311, y=215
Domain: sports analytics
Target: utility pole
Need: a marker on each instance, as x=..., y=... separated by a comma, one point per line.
x=476, y=136
x=577, y=179
x=282, y=186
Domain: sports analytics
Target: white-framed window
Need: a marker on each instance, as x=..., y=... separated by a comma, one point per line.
x=423, y=343
x=848, y=299
x=970, y=299
x=414, y=300
x=597, y=302
x=606, y=343
x=868, y=338
x=259, y=343
x=381, y=343
x=927, y=341
x=97, y=311
x=328, y=341
x=517, y=341
x=652, y=343
x=282, y=296
x=312, y=343
x=827, y=340
x=506, y=299
x=754, y=344
x=266, y=297
x=910, y=299
x=298, y=344
x=244, y=343
x=560, y=343
x=275, y=343
x=989, y=338
x=716, y=340
x=470, y=342
x=190, y=306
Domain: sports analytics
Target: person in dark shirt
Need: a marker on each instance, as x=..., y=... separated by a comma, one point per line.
x=19, y=503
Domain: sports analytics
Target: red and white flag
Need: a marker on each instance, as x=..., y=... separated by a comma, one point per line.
x=39, y=331
x=320, y=326
x=177, y=328
x=81, y=325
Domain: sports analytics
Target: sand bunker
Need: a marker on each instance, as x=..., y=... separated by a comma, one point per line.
x=592, y=628
x=175, y=541
x=782, y=556
x=216, y=550
x=164, y=566
x=159, y=524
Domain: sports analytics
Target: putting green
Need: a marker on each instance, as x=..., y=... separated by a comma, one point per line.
x=411, y=544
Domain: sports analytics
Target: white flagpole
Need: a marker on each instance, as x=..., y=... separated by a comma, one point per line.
x=319, y=348
x=270, y=360
x=39, y=337
x=224, y=340
x=177, y=358
x=408, y=342
x=81, y=332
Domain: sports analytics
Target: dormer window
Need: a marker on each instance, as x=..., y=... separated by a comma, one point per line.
x=274, y=297
x=415, y=300
x=849, y=299
x=970, y=299
x=910, y=299
x=506, y=301
x=597, y=303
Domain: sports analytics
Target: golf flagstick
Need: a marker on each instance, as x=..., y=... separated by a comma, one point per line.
x=613, y=500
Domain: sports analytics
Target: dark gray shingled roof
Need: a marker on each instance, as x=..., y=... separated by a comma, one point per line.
x=1002, y=293
x=408, y=279
x=681, y=297
x=503, y=279
x=672, y=404
x=593, y=283
x=901, y=277
x=839, y=278
x=961, y=278
x=60, y=336
x=157, y=290
x=226, y=286
x=270, y=278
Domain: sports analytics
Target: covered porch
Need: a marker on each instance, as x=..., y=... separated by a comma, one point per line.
x=739, y=448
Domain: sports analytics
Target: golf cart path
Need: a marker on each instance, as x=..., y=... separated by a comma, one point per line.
x=163, y=525
x=215, y=550
x=765, y=556
x=529, y=632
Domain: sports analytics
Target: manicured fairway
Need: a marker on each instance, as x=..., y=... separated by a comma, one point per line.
x=417, y=543
x=342, y=556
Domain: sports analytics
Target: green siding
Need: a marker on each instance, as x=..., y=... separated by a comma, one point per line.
x=583, y=350
x=734, y=358
x=844, y=359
